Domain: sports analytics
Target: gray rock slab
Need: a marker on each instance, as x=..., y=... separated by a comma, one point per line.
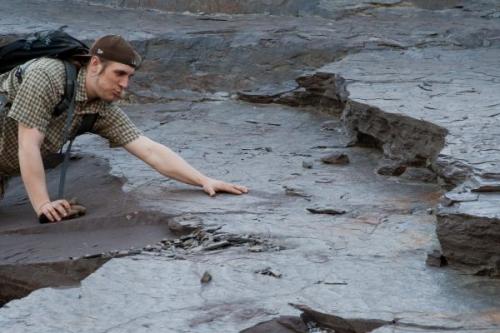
x=334, y=264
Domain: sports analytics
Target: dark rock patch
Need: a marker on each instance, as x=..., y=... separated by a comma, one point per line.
x=336, y=158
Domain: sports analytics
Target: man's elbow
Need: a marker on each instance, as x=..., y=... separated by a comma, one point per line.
x=144, y=149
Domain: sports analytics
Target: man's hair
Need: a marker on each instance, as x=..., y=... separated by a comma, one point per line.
x=105, y=63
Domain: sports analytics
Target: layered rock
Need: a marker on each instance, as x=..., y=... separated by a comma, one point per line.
x=339, y=232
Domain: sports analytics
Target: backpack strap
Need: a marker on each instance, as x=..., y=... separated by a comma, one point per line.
x=69, y=90
x=86, y=125
x=69, y=102
x=88, y=121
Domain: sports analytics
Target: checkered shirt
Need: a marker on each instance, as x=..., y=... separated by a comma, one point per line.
x=32, y=104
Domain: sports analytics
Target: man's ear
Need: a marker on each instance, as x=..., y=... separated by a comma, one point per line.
x=94, y=65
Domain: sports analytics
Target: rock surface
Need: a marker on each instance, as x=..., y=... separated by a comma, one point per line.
x=416, y=81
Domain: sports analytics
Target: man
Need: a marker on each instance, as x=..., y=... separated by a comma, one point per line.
x=29, y=131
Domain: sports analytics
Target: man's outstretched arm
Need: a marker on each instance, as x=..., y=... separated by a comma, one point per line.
x=33, y=175
x=169, y=164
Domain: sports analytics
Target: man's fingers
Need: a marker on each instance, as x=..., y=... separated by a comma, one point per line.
x=243, y=189
x=61, y=209
x=232, y=189
x=219, y=186
x=52, y=214
x=66, y=205
x=56, y=210
x=49, y=216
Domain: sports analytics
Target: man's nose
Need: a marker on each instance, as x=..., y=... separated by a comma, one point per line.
x=124, y=82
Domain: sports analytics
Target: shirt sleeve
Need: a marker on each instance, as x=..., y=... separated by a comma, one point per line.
x=35, y=100
x=115, y=126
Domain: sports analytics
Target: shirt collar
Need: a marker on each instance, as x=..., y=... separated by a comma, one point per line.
x=81, y=93
x=96, y=106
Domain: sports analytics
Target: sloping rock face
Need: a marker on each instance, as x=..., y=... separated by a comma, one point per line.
x=425, y=89
x=347, y=241
x=401, y=138
x=324, y=91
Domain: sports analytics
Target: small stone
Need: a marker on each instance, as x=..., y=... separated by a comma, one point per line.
x=122, y=253
x=92, y=256
x=452, y=197
x=330, y=125
x=296, y=192
x=256, y=248
x=186, y=237
x=269, y=271
x=419, y=174
x=148, y=253
x=268, y=149
x=430, y=211
x=216, y=245
x=487, y=188
x=391, y=170
x=336, y=158
x=330, y=211
x=206, y=278
x=307, y=164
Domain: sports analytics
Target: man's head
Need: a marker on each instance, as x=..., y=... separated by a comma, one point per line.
x=112, y=63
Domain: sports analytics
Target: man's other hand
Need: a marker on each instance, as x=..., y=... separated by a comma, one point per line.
x=55, y=210
x=212, y=186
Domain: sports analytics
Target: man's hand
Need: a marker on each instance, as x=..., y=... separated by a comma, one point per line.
x=55, y=210
x=212, y=186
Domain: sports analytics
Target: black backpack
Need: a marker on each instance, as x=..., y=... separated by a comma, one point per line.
x=55, y=44
x=48, y=43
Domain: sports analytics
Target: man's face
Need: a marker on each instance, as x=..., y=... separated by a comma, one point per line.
x=112, y=80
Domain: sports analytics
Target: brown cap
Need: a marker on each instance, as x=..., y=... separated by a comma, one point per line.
x=115, y=48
